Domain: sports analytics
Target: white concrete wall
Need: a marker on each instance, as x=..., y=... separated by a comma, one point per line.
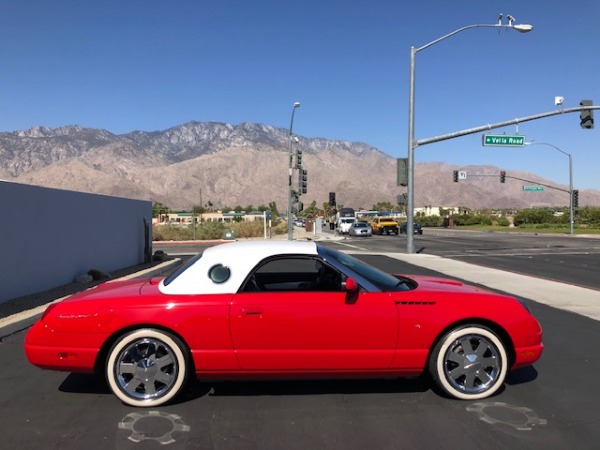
x=49, y=236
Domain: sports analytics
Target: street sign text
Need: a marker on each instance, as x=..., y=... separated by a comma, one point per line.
x=503, y=140
x=533, y=188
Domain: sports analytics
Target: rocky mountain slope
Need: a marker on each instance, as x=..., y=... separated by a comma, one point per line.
x=246, y=164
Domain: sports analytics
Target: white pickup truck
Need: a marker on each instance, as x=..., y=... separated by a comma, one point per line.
x=344, y=223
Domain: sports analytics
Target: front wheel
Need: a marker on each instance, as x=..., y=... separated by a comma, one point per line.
x=469, y=363
x=147, y=367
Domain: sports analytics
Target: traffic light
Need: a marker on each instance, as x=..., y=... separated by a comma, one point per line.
x=401, y=171
x=502, y=176
x=575, y=198
x=586, y=115
x=300, y=206
x=455, y=176
x=332, y=199
x=298, y=157
x=303, y=181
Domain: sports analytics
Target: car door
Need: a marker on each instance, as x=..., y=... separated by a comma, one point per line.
x=297, y=320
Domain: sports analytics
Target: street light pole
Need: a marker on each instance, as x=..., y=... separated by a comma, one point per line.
x=410, y=198
x=290, y=173
x=571, y=206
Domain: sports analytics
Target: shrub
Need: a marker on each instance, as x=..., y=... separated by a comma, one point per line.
x=503, y=222
x=533, y=216
x=208, y=231
x=429, y=221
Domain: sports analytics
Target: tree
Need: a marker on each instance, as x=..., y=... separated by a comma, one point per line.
x=312, y=209
x=273, y=208
x=158, y=209
x=383, y=206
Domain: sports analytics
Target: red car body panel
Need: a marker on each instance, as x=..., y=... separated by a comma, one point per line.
x=280, y=334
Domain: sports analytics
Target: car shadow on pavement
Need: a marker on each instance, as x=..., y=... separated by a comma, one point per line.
x=83, y=383
x=316, y=387
x=520, y=376
x=94, y=384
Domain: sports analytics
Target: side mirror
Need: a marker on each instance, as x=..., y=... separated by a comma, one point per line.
x=350, y=285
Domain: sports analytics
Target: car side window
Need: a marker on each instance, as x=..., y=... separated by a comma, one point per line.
x=293, y=274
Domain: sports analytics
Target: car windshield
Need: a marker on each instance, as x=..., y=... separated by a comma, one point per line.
x=361, y=224
x=382, y=280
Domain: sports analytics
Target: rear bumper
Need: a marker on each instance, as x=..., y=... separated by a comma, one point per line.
x=64, y=359
x=42, y=352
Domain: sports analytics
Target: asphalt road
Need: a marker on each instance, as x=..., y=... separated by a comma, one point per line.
x=553, y=405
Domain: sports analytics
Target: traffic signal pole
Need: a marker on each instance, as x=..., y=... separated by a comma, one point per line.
x=584, y=108
x=493, y=126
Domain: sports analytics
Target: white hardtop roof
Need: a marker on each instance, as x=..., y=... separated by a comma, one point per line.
x=239, y=257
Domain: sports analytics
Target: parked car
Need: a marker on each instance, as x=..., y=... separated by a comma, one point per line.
x=417, y=229
x=242, y=310
x=360, y=229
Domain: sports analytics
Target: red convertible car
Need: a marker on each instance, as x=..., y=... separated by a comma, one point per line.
x=264, y=310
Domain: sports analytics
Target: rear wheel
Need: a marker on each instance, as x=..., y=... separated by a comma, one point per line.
x=147, y=367
x=469, y=363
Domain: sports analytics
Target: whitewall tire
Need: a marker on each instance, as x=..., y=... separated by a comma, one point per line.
x=469, y=363
x=147, y=367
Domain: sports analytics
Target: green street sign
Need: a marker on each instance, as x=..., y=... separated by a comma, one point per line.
x=533, y=188
x=503, y=140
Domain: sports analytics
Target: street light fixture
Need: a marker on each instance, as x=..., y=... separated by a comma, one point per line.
x=410, y=198
x=571, y=205
x=290, y=173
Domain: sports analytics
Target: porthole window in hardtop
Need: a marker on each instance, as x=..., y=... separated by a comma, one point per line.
x=219, y=273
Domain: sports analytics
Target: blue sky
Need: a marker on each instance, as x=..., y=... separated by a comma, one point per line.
x=125, y=65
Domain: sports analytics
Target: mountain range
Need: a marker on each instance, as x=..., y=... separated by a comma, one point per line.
x=226, y=165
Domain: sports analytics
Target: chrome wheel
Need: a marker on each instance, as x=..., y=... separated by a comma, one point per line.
x=469, y=363
x=146, y=368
